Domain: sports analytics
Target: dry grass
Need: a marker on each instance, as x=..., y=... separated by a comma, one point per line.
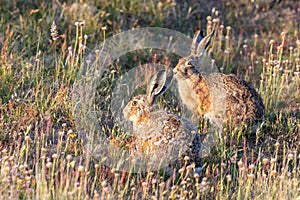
x=42, y=156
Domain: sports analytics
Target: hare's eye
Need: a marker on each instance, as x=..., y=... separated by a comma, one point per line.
x=188, y=63
x=134, y=103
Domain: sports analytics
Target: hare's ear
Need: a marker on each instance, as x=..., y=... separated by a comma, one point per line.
x=198, y=36
x=157, y=86
x=203, y=43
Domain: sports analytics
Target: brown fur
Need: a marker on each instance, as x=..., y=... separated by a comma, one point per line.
x=159, y=133
x=242, y=101
x=201, y=88
x=205, y=94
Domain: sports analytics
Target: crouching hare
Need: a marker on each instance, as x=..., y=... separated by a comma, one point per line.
x=162, y=136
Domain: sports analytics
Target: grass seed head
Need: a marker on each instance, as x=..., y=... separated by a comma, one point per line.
x=265, y=161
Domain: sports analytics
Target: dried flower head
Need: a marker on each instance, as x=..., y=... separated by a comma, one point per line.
x=49, y=164
x=228, y=177
x=265, y=161
x=54, y=32
x=80, y=168
x=290, y=156
x=240, y=163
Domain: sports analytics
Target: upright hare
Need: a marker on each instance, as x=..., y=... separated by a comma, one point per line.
x=218, y=97
x=159, y=134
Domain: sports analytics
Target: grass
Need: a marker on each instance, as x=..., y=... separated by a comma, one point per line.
x=42, y=49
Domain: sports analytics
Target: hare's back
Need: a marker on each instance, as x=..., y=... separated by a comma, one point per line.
x=171, y=124
x=242, y=100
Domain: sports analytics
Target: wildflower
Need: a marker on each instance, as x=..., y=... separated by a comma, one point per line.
x=144, y=184
x=96, y=195
x=80, y=168
x=203, y=183
x=44, y=150
x=60, y=133
x=7, y=169
x=273, y=160
x=107, y=189
x=251, y=176
x=27, y=178
x=27, y=138
x=290, y=156
x=273, y=173
x=154, y=181
x=104, y=184
x=221, y=27
x=5, y=158
x=181, y=170
x=252, y=167
x=162, y=185
x=186, y=158
x=11, y=158
x=150, y=174
x=228, y=177
x=82, y=23
x=49, y=164
x=54, y=156
x=19, y=181
x=240, y=163
x=281, y=177
x=217, y=20
x=223, y=165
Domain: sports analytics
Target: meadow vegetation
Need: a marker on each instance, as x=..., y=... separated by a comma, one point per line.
x=43, y=45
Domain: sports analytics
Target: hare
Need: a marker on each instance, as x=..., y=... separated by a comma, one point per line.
x=159, y=134
x=216, y=96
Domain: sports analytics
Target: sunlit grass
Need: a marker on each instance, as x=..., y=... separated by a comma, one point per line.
x=42, y=49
